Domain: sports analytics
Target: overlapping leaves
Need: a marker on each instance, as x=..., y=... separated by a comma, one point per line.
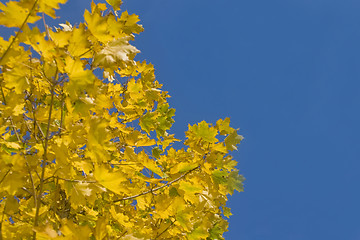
x=84, y=135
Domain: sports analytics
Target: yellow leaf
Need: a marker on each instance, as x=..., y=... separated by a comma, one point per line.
x=115, y=4
x=48, y=6
x=149, y=163
x=198, y=233
x=13, y=14
x=223, y=126
x=202, y=131
x=97, y=25
x=45, y=233
x=60, y=37
x=16, y=79
x=182, y=167
x=220, y=147
x=190, y=187
x=80, y=78
x=14, y=145
x=110, y=180
x=232, y=140
x=78, y=42
x=100, y=229
x=73, y=231
x=114, y=53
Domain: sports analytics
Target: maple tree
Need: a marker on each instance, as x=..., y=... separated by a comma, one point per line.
x=85, y=149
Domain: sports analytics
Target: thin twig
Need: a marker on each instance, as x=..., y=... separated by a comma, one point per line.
x=157, y=188
x=44, y=163
x=46, y=27
x=17, y=34
x=15, y=131
x=41, y=131
x=28, y=191
x=84, y=53
x=2, y=179
x=172, y=223
x=123, y=234
x=77, y=180
x=2, y=94
x=32, y=184
x=62, y=114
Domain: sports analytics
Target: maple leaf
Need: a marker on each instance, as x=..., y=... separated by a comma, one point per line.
x=14, y=14
x=232, y=140
x=86, y=154
x=114, y=53
x=115, y=4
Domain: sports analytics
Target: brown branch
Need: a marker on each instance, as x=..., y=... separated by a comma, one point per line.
x=70, y=180
x=41, y=131
x=46, y=27
x=172, y=223
x=44, y=156
x=120, y=235
x=4, y=176
x=2, y=94
x=32, y=184
x=77, y=180
x=62, y=113
x=157, y=188
x=15, y=131
x=84, y=53
x=26, y=190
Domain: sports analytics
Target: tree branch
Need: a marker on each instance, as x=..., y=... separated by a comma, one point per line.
x=17, y=34
x=2, y=179
x=77, y=180
x=172, y=223
x=44, y=163
x=157, y=188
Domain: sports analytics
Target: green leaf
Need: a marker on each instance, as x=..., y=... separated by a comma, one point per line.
x=202, y=131
x=115, y=4
x=226, y=211
x=235, y=182
x=219, y=176
x=232, y=140
x=223, y=126
x=198, y=233
x=156, y=151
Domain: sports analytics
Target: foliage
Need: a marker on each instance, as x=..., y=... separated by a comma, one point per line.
x=85, y=149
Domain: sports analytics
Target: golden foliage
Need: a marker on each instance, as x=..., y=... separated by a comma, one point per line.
x=89, y=156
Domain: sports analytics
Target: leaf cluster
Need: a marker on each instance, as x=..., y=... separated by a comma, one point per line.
x=85, y=149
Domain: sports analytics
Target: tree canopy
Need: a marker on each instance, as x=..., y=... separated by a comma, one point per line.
x=86, y=151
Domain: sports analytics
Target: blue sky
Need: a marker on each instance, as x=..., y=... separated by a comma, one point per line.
x=287, y=74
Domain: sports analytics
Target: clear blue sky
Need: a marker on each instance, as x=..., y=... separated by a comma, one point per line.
x=287, y=74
